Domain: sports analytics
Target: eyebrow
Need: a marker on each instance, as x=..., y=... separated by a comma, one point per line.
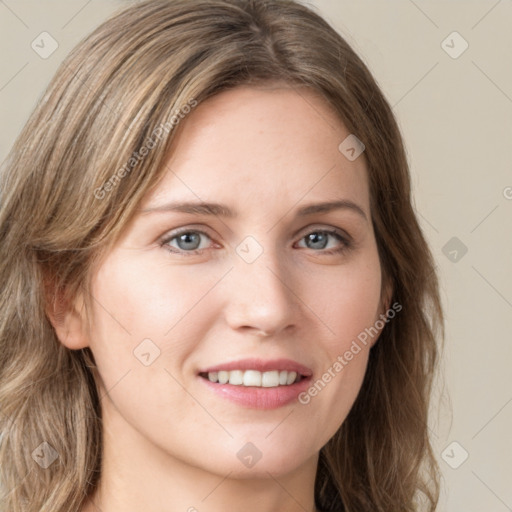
x=216, y=209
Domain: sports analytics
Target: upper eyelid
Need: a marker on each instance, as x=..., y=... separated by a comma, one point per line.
x=170, y=235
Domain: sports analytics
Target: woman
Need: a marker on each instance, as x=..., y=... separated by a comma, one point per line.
x=215, y=291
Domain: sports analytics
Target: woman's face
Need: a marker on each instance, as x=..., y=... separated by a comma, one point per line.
x=277, y=285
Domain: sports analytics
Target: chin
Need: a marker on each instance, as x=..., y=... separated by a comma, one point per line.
x=257, y=460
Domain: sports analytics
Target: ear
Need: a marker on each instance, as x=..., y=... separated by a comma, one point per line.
x=68, y=319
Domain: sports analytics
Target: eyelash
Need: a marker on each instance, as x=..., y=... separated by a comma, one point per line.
x=163, y=243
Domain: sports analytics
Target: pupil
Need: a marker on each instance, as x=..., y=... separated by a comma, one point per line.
x=316, y=237
x=185, y=240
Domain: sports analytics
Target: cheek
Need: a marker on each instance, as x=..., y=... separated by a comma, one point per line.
x=350, y=308
x=349, y=303
x=145, y=325
x=136, y=300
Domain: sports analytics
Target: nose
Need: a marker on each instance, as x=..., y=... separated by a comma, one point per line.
x=260, y=296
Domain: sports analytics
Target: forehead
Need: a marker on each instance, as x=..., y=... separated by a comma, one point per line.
x=275, y=142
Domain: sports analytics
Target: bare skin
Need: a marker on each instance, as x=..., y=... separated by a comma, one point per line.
x=170, y=443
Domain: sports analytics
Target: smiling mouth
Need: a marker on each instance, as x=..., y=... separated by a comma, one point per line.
x=254, y=378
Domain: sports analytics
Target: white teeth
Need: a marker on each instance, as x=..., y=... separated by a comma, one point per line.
x=270, y=379
x=291, y=377
x=254, y=378
x=236, y=377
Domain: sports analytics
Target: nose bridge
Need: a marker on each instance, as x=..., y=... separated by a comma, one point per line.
x=261, y=296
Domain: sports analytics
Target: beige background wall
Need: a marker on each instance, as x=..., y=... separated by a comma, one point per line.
x=455, y=110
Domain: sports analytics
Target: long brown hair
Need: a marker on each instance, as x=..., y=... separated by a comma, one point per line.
x=71, y=183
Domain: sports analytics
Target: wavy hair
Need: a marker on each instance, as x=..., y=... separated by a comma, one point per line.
x=67, y=193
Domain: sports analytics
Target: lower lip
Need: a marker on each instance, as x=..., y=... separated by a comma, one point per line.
x=259, y=397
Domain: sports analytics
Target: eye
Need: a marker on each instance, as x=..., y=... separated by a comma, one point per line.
x=188, y=241
x=319, y=240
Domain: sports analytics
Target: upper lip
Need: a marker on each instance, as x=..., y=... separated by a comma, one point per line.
x=262, y=365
